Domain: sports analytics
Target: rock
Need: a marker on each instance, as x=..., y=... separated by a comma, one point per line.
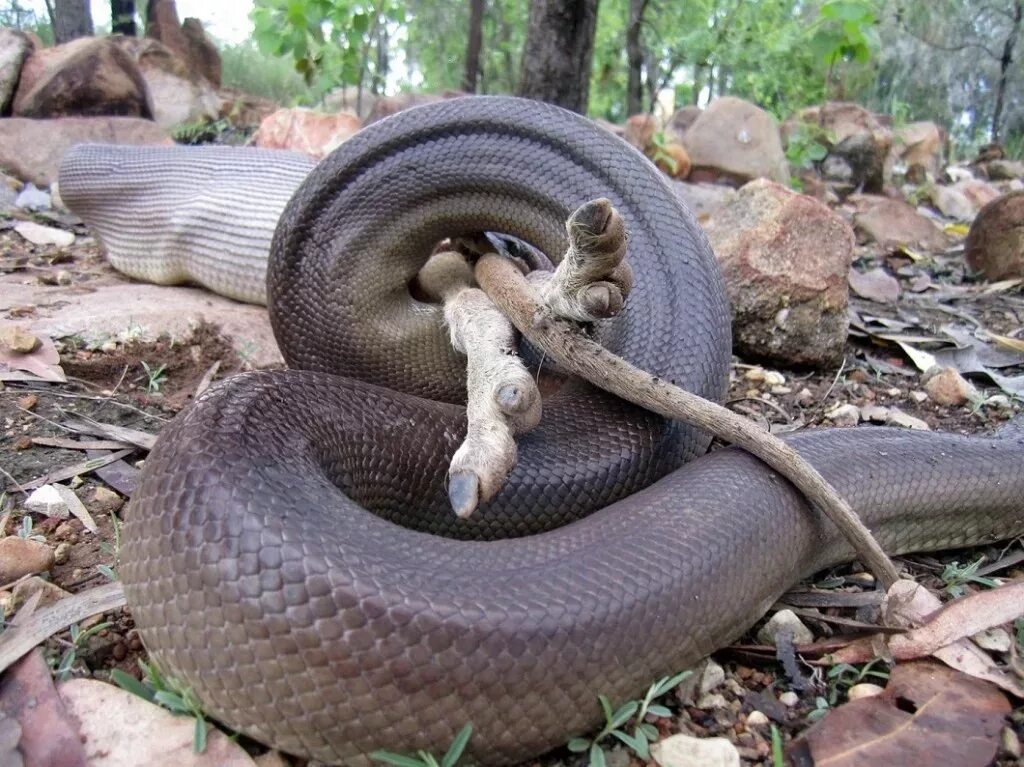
x=106, y=501
x=898, y=418
x=33, y=198
x=33, y=149
x=21, y=556
x=385, y=106
x=756, y=719
x=786, y=259
x=918, y=146
x=996, y=170
x=178, y=95
x=857, y=136
x=994, y=640
x=243, y=110
x=681, y=121
x=894, y=223
x=189, y=40
x=711, y=676
x=875, y=285
x=50, y=593
x=672, y=160
x=945, y=386
x=995, y=242
x=640, y=130
x=784, y=621
x=963, y=199
x=88, y=76
x=711, y=700
x=122, y=729
x=348, y=98
x=46, y=500
x=864, y=690
x=703, y=199
x=874, y=413
x=10, y=188
x=687, y=751
x=17, y=339
x=15, y=47
x=38, y=234
x=306, y=131
x=62, y=553
x=1010, y=742
x=734, y=140
x=789, y=698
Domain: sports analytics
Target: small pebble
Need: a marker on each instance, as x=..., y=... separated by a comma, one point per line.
x=712, y=675
x=28, y=402
x=47, y=500
x=805, y=397
x=789, y=698
x=757, y=719
x=106, y=500
x=874, y=413
x=993, y=639
x=61, y=553
x=687, y=751
x=918, y=396
x=18, y=340
x=999, y=401
x=898, y=418
x=712, y=700
x=864, y=690
x=844, y=415
x=893, y=392
x=120, y=651
x=945, y=386
x=784, y=620
x=64, y=277
x=22, y=556
x=1011, y=743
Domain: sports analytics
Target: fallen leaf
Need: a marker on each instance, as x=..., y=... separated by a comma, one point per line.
x=927, y=715
x=875, y=285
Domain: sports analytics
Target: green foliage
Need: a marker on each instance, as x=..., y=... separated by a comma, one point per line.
x=70, y=654
x=169, y=693
x=200, y=132
x=25, y=530
x=259, y=74
x=807, y=144
x=957, y=576
x=111, y=549
x=843, y=676
x=778, y=756
x=423, y=759
x=846, y=31
x=155, y=376
x=332, y=42
x=615, y=720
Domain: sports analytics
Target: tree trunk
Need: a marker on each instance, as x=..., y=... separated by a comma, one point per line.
x=122, y=17
x=71, y=19
x=473, y=45
x=635, y=57
x=558, y=52
x=1005, y=61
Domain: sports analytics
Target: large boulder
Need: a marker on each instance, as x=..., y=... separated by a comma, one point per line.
x=385, y=106
x=15, y=47
x=86, y=77
x=995, y=243
x=681, y=120
x=894, y=223
x=963, y=199
x=189, y=41
x=178, y=95
x=918, y=147
x=785, y=258
x=858, y=143
x=32, y=150
x=303, y=130
x=736, y=141
x=244, y=110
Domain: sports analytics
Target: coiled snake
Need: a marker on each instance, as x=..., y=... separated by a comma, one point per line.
x=255, y=572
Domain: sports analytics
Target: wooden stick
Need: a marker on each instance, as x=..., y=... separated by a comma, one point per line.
x=562, y=341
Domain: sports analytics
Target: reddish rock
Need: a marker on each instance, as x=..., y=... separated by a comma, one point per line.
x=918, y=146
x=1003, y=170
x=963, y=199
x=189, y=40
x=733, y=139
x=303, y=130
x=389, y=105
x=893, y=223
x=640, y=130
x=86, y=77
x=178, y=95
x=33, y=149
x=945, y=386
x=202, y=54
x=23, y=556
x=785, y=258
x=681, y=121
x=859, y=140
x=995, y=243
x=243, y=110
x=15, y=47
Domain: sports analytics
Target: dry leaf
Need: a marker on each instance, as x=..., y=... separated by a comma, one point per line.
x=928, y=715
x=875, y=285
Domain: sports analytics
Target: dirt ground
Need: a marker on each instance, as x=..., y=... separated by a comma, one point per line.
x=142, y=385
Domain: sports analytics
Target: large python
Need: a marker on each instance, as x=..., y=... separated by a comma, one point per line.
x=253, y=565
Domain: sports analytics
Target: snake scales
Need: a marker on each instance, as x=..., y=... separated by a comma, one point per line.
x=256, y=574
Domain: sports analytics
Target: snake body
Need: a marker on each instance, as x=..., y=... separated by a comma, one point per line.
x=262, y=560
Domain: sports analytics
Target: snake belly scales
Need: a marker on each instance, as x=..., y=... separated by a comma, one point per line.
x=252, y=563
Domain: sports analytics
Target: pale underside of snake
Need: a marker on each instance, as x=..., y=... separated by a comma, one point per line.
x=263, y=560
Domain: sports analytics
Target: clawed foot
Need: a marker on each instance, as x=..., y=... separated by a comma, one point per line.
x=591, y=283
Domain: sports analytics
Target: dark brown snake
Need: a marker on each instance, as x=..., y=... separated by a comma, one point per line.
x=257, y=575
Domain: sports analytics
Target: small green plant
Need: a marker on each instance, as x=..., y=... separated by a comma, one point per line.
x=807, y=144
x=199, y=132
x=155, y=377
x=957, y=576
x=423, y=759
x=25, y=530
x=843, y=676
x=615, y=721
x=778, y=757
x=169, y=693
x=113, y=549
x=821, y=707
x=78, y=640
x=660, y=155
